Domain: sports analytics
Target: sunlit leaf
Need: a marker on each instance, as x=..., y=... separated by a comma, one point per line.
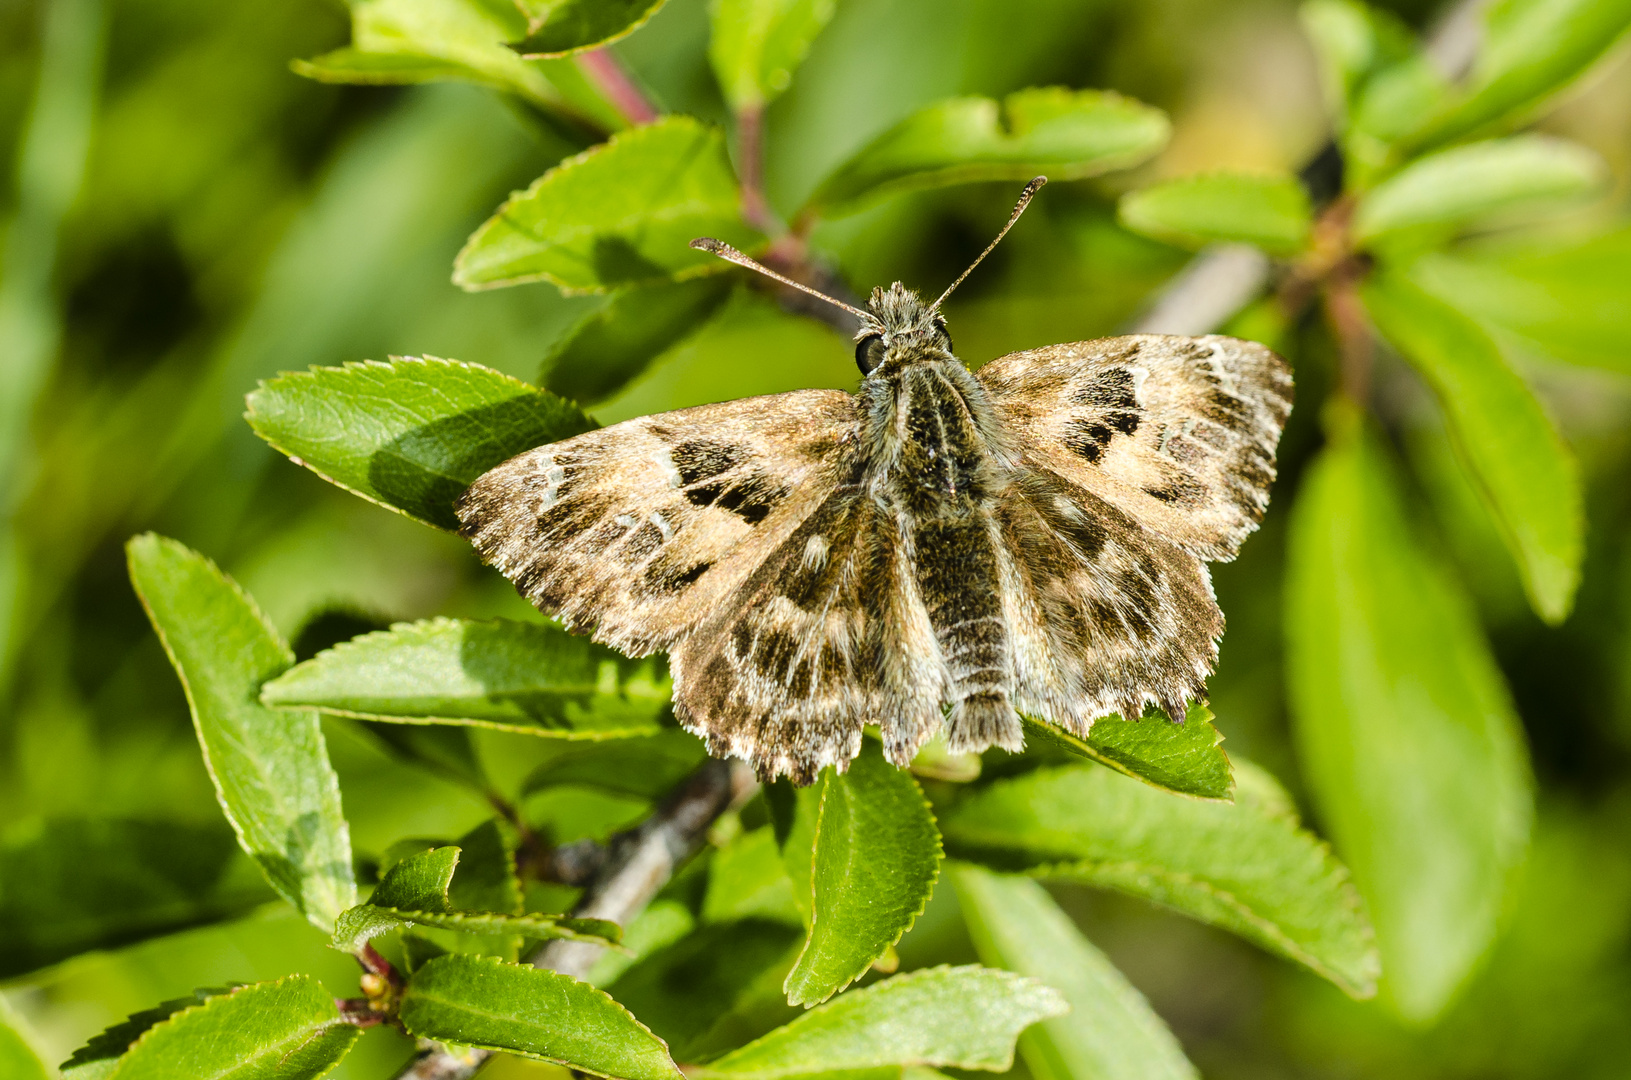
x=1271, y=212
x=1111, y=1032
x=484, y=1001
x=1530, y=50
x=873, y=865
x=757, y=44
x=410, y=41
x=1567, y=301
x=1244, y=866
x=613, y=346
x=1464, y=186
x=1065, y=134
x=1187, y=758
x=563, y=27
x=509, y=676
x=270, y=767
x=410, y=434
x=1353, y=41
x=1524, y=472
x=69, y=886
x=623, y=213
x=283, y=1030
x=1406, y=733
x=964, y=1017
x=18, y=1058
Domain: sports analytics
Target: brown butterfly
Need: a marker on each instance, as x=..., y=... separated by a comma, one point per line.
x=936, y=551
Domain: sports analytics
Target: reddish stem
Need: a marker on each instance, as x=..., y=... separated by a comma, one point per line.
x=606, y=72
x=750, y=151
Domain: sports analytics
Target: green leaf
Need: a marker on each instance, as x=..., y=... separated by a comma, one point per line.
x=1352, y=41
x=18, y=1058
x=756, y=44
x=1111, y=1032
x=1531, y=49
x=421, y=888
x=1466, y=186
x=508, y=676
x=714, y=988
x=746, y=879
x=963, y=1017
x=283, y=1030
x=1271, y=212
x=1389, y=107
x=564, y=27
x=1526, y=475
x=101, y=1053
x=613, y=346
x=410, y=434
x=483, y=1001
x=875, y=860
x=1565, y=301
x=419, y=881
x=622, y=213
x=1404, y=729
x=411, y=41
x=1244, y=866
x=1187, y=758
x=270, y=768
x=367, y=921
x=486, y=878
x=645, y=768
x=1066, y=134
x=69, y=886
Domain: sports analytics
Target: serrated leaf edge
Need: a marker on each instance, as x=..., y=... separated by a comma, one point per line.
x=1361, y=988
x=671, y=120
x=911, y=917
x=393, y=365
x=495, y=961
x=519, y=46
x=1059, y=1003
x=170, y=1020
x=332, y=785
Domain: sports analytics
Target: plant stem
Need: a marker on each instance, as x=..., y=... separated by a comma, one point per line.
x=608, y=75
x=750, y=151
x=641, y=863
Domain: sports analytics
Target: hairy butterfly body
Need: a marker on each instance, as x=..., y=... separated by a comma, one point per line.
x=943, y=549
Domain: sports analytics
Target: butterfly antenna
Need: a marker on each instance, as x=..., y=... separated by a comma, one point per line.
x=730, y=254
x=1019, y=208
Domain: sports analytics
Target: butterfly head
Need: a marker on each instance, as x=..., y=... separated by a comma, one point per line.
x=899, y=328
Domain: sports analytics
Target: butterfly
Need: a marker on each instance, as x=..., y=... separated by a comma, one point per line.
x=940, y=551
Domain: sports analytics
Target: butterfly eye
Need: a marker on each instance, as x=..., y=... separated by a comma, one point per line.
x=940, y=325
x=869, y=353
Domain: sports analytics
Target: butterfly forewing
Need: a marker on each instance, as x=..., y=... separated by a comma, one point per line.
x=639, y=531
x=1177, y=432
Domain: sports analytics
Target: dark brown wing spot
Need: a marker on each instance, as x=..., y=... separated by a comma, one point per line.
x=699, y=459
x=752, y=499
x=1087, y=439
x=662, y=579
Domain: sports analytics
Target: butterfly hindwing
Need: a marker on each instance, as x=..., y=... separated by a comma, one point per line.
x=1179, y=433
x=787, y=670
x=1104, y=615
x=639, y=531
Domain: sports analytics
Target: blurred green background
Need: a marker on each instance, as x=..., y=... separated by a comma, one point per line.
x=233, y=220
